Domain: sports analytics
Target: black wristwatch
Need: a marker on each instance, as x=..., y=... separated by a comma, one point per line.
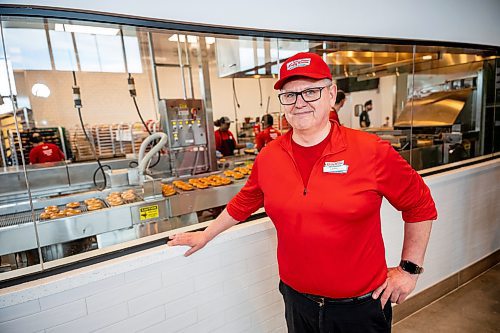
x=410, y=267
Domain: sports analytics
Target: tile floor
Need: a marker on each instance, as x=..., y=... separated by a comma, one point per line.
x=475, y=307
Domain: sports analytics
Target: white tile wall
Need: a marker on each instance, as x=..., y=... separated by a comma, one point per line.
x=136, y=323
x=19, y=310
x=231, y=285
x=123, y=293
x=205, y=325
x=173, y=324
x=162, y=296
x=46, y=319
x=77, y=293
x=93, y=321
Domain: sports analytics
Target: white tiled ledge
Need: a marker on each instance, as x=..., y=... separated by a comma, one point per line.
x=78, y=277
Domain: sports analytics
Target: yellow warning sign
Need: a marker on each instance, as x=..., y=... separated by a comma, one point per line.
x=149, y=212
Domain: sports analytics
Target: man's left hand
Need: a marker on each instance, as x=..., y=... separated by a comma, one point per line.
x=398, y=285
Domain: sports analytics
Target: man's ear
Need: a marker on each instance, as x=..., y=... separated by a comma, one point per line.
x=332, y=94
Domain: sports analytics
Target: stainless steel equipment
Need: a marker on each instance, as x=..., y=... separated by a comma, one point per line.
x=446, y=127
x=184, y=121
x=110, y=225
x=438, y=109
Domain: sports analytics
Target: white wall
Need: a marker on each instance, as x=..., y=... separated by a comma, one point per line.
x=247, y=91
x=106, y=98
x=445, y=20
x=231, y=285
x=383, y=101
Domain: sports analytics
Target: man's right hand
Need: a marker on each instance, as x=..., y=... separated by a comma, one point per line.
x=196, y=240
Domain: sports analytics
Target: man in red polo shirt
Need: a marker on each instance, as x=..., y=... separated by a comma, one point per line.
x=323, y=186
x=43, y=152
x=268, y=134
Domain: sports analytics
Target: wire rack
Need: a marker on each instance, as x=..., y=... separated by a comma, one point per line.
x=25, y=217
x=110, y=140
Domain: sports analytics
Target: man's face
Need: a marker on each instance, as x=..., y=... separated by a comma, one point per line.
x=309, y=115
x=369, y=107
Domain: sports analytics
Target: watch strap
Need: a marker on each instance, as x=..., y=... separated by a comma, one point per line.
x=411, y=267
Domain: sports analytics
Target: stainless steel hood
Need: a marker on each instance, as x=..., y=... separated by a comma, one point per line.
x=438, y=109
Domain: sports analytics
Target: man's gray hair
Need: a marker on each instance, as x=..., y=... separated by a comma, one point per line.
x=326, y=82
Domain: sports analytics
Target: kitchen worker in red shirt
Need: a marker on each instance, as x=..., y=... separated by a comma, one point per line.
x=268, y=134
x=339, y=103
x=322, y=186
x=43, y=152
x=225, y=142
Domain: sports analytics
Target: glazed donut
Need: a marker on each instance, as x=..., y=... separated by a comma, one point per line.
x=94, y=206
x=51, y=209
x=128, y=196
x=73, y=204
x=91, y=201
x=238, y=175
x=57, y=215
x=72, y=211
x=115, y=202
x=45, y=215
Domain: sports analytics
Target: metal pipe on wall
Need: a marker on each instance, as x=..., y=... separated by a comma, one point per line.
x=188, y=65
x=181, y=65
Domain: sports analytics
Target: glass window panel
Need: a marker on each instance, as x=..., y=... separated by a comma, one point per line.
x=379, y=72
x=27, y=49
x=110, y=53
x=133, y=54
x=63, y=51
x=87, y=52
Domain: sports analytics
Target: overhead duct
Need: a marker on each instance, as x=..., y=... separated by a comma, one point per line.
x=438, y=109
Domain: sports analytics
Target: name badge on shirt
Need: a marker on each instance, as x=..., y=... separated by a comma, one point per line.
x=335, y=167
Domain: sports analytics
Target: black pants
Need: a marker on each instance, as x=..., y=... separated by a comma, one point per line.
x=304, y=315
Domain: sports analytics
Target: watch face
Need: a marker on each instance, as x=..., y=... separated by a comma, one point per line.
x=410, y=267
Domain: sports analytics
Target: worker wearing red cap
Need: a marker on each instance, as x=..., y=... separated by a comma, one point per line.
x=268, y=134
x=225, y=141
x=322, y=186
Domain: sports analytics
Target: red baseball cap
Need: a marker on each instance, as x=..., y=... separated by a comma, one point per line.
x=305, y=64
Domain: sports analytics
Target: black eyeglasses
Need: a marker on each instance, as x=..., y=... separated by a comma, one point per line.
x=308, y=95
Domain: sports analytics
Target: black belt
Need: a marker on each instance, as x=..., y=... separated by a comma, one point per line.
x=327, y=300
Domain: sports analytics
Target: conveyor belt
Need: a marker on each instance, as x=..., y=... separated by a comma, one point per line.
x=18, y=218
x=25, y=217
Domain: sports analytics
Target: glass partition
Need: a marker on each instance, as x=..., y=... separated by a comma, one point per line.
x=19, y=246
x=98, y=90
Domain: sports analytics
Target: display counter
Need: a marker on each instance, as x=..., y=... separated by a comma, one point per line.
x=232, y=283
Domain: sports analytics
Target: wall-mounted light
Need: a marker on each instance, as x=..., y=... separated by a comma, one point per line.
x=40, y=90
x=427, y=57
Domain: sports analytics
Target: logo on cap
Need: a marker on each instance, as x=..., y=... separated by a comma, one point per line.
x=298, y=63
